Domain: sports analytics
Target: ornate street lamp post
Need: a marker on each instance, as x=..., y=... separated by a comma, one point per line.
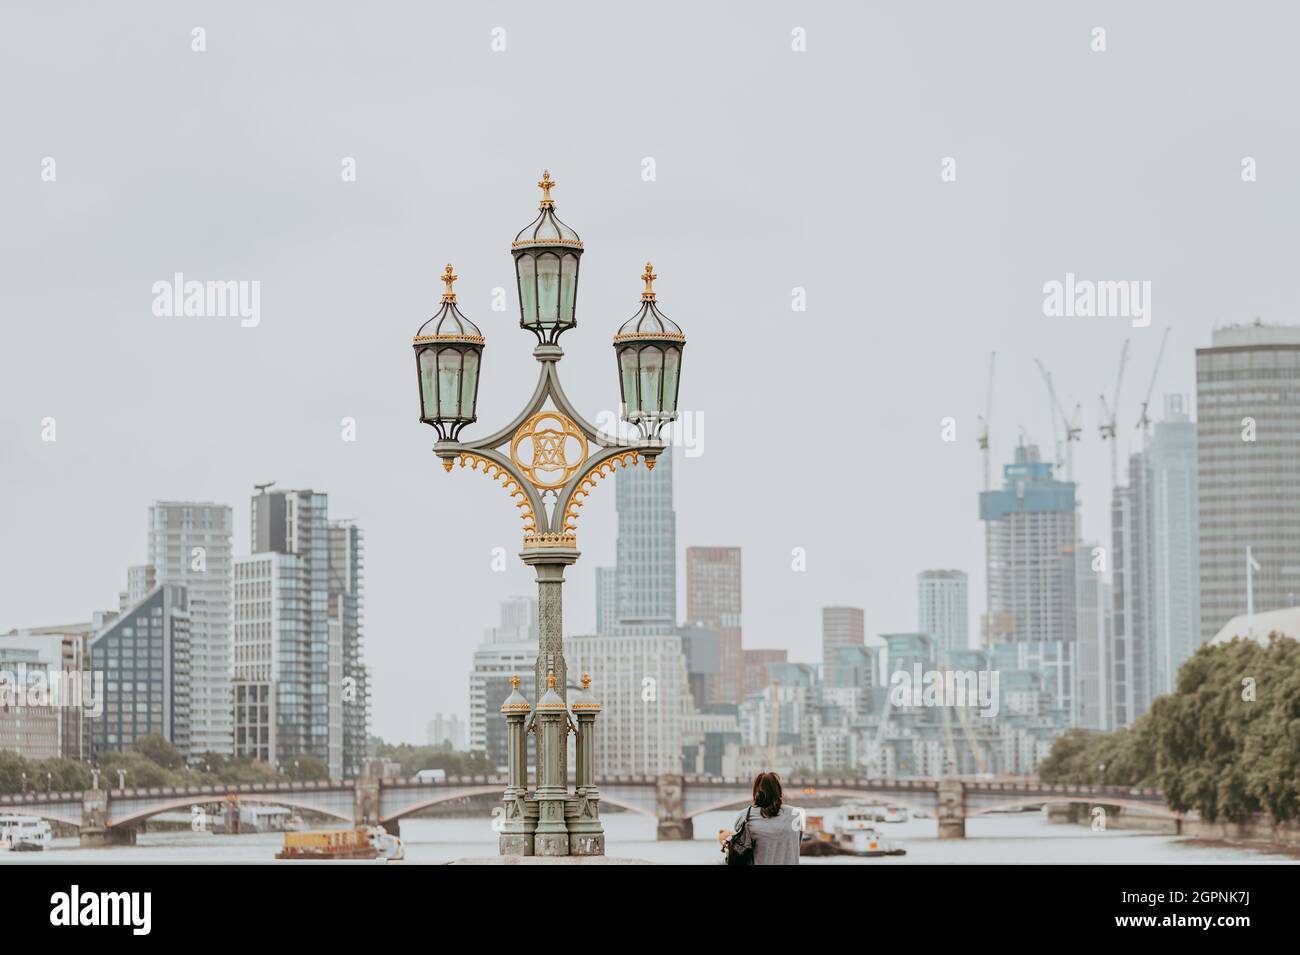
x=549, y=459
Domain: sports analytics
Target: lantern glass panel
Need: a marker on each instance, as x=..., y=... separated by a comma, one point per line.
x=527, y=287
x=428, y=386
x=548, y=288
x=672, y=366
x=468, y=383
x=449, y=377
x=627, y=375
x=568, y=287
x=652, y=376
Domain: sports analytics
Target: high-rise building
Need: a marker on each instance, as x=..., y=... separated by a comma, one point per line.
x=1094, y=679
x=758, y=669
x=1248, y=495
x=1175, y=573
x=1134, y=652
x=713, y=601
x=606, y=600
x=942, y=608
x=64, y=649
x=189, y=546
x=1031, y=532
x=1157, y=599
x=297, y=623
x=641, y=683
x=647, y=548
x=507, y=650
x=446, y=731
x=841, y=627
x=345, y=611
x=700, y=646
x=144, y=655
x=29, y=725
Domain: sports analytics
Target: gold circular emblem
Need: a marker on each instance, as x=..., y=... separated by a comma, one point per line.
x=549, y=448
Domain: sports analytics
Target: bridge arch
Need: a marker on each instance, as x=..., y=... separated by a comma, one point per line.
x=445, y=795
x=288, y=800
x=1026, y=800
x=69, y=815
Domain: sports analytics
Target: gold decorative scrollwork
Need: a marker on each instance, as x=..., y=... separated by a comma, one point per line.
x=624, y=460
x=497, y=473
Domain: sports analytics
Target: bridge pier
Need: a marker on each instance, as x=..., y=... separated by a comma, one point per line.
x=952, y=809
x=365, y=795
x=670, y=807
x=96, y=833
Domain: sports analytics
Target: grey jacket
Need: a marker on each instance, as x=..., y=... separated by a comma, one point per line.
x=776, y=840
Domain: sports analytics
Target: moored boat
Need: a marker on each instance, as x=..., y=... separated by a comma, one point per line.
x=25, y=833
x=329, y=844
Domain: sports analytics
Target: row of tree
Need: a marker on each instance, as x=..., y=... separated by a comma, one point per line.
x=1226, y=743
x=415, y=758
x=152, y=761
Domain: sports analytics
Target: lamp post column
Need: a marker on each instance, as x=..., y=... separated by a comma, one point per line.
x=549, y=564
x=586, y=834
x=551, y=838
x=515, y=829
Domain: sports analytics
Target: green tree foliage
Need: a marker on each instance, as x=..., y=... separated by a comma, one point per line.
x=159, y=750
x=1226, y=743
x=415, y=758
x=304, y=769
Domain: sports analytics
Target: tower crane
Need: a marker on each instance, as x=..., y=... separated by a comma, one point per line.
x=1144, y=420
x=774, y=731
x=1073, y=430
x=1108, y=413
x=984, y=419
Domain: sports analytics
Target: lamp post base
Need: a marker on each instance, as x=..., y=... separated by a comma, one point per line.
x=516, y=844
x=551, y=844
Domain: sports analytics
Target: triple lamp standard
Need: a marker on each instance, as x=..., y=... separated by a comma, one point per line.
x=549, y=459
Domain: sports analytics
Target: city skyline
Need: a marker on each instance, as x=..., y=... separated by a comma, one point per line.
x=202, y=408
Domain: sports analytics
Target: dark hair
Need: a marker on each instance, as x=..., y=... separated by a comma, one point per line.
x=767, y=794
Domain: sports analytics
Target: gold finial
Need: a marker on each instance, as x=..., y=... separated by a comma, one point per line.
x=586, y=681
x=648, y=276
x=547, y=184
x=449, y=278
x=514, y=681
x=550, y=680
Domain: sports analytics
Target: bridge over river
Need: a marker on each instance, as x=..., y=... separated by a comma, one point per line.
x=112, y=817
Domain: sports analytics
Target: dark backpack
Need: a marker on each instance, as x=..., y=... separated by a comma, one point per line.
x=740, y=847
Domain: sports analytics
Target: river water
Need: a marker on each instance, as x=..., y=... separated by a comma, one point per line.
x=1004, y=838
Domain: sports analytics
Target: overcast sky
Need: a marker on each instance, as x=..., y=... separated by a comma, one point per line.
x=774, y=169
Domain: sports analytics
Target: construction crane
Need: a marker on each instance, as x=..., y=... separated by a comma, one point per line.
x=949, y=745
x=1144, y=420
x=774, y=726
x=984, y=420
x=1108, y=413
x=1073, y=430
x=981, y=764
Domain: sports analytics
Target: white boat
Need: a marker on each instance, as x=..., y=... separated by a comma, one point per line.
x=24, y=833
x=895, y=814
x=852, y=832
